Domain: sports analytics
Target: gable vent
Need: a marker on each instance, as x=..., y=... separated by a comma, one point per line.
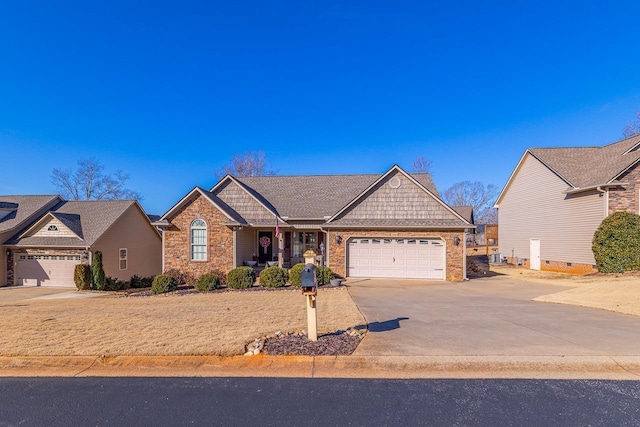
x=394, y=182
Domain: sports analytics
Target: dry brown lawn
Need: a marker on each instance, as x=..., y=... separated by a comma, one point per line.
x=194, y=324
x=613, y=292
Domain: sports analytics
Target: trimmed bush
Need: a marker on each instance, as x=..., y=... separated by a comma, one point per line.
x=324, y=275
x=163, y=283
x=82, y=277
x=274, y=277
x=222, y=276
x=113, y=284
x=616, y=243
x=241, y=278
x=97, y=271
x=181, y=277
x=295, y=275
x=208, y=282
x=137, y=282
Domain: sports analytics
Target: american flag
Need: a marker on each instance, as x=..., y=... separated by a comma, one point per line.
x=277, y=228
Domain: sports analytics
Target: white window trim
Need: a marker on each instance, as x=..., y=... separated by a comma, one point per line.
x=206, y=240
x=125, y=259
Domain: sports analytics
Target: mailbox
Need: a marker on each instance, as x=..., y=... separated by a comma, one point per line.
x=308, y=279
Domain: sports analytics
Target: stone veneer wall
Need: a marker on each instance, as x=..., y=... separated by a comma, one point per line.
x=626, y=198
x=10, y=269
x=177, y=250
x=455, y=254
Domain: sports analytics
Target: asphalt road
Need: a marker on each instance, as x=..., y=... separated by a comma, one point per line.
x=315, y=402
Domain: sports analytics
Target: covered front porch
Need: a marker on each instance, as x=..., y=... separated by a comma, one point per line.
x=260, y=247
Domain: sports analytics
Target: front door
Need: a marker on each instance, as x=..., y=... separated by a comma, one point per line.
x=534, y=248
x=265, y=246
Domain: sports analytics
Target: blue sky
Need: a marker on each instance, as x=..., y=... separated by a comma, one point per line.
x=169, y=91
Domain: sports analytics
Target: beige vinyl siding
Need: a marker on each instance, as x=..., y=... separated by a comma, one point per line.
x=132, y=231
x=245, y=245
x=63, y=230
x=535, y=206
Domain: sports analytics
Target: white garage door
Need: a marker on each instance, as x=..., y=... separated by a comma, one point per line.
x=47, y=270
x=396, y=258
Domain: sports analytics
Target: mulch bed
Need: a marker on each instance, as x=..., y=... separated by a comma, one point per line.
x=336, y=344
x=189, y=289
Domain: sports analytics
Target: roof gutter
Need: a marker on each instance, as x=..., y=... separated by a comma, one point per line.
x=599, y=187
x=393, y=227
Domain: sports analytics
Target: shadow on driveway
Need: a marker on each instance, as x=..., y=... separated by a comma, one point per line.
x=387, y=325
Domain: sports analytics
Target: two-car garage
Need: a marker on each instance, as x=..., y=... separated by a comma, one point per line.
x=46, y=270
x=410, y=258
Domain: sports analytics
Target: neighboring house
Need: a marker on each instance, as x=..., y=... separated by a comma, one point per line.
x=556, y=198
x=43, y=238
x=466, y=212
x=388, y=225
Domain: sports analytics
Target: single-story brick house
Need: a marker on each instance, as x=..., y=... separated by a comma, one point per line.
x=43, y=238
x=556, y=198
x=383, y=225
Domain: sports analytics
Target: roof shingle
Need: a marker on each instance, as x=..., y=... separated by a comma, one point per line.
x=589, y=166
x=315, y=196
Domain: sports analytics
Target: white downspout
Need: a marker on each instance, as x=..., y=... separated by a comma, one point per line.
x=235, y=247
x=162, y=231
x=464, y=256
x=605, y=194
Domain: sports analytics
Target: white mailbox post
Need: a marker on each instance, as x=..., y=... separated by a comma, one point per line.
x=310, y=291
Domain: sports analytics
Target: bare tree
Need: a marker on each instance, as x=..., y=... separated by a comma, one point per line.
x=632, y=129
x=476, y=195
x=250, y=163
x=421, y=165
x=89, y=182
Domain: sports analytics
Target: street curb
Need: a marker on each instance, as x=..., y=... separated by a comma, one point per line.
x=382, y=367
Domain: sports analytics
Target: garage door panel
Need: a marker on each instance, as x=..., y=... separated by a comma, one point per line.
x=46, y=270
x=396, y=258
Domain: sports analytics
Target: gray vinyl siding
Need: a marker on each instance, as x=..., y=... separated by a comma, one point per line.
x=407, y=202
x=246, y=206
x=535, y=206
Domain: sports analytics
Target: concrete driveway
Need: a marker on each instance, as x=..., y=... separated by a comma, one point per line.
x=23, y=293
x=485, y=317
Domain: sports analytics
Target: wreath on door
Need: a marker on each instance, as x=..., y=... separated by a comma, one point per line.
x=265, y=242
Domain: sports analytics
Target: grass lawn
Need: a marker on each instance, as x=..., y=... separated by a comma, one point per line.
x=195, y=324
x=613, y=292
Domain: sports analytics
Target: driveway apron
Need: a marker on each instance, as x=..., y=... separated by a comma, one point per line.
x=485, y=317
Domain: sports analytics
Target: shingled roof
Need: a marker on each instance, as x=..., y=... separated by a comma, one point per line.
x=589, y=166
x=18, y=209
x=314, y=196
x=88, y=219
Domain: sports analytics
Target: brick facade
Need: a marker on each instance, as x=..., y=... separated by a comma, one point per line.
x=177, y=246
x=626, y=198
x=455, y=254
x=556, y=266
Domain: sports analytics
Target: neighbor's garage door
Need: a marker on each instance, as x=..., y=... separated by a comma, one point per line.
x=396, y=258
x=47, y=270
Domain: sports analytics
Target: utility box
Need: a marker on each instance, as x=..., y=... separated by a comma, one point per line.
x=308, y=279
